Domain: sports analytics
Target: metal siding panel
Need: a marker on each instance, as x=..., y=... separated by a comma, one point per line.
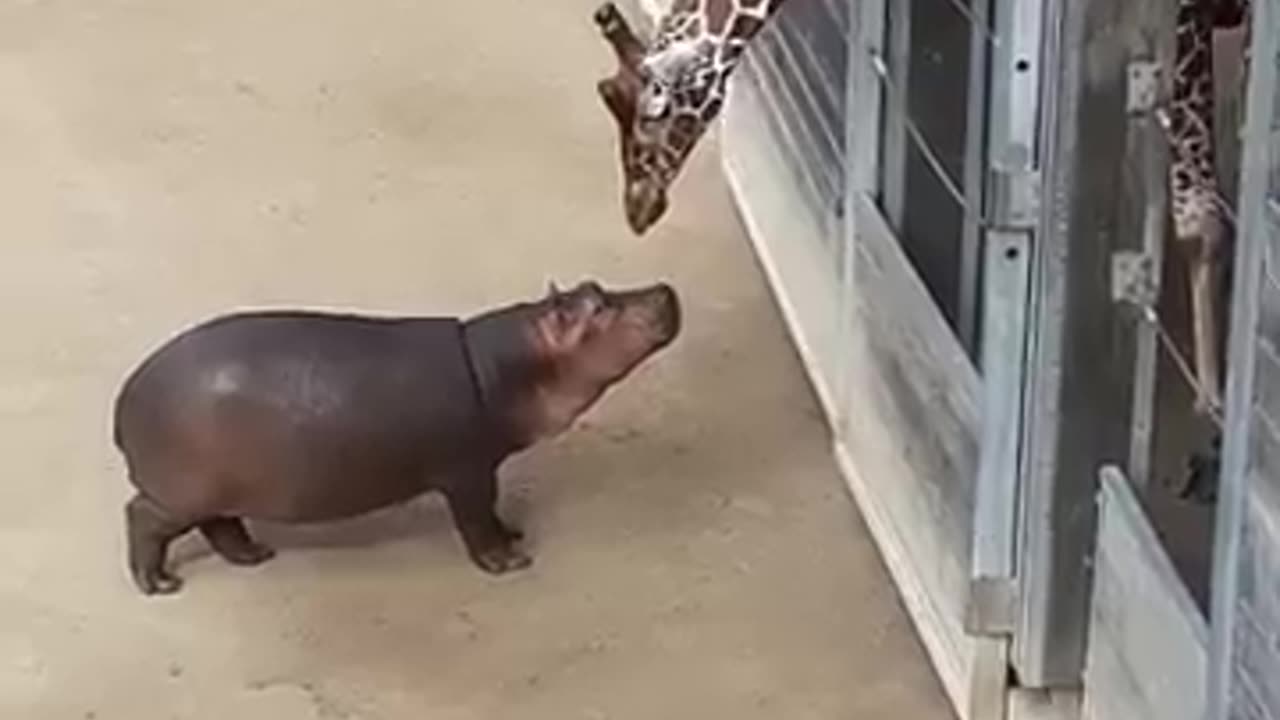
x=797, y=67
x=1256, y=658
x=1268, y=329
x=818, y=149
x=781, y=101
x=1255, y=692
x=756, y=86
x=1244, y=674
x=1148, y=641
x=822, y=104
x=1266, y=393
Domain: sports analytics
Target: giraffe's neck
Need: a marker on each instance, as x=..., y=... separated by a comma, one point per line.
x=707, y=34
x=1193, y=178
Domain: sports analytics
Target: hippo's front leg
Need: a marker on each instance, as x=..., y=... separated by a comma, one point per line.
x=490, y=542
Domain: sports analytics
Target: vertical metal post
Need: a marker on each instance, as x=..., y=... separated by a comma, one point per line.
x=867, y=30
x=1252, y=238
x=1013, y=209
x=1143, y=278
x=894, y=156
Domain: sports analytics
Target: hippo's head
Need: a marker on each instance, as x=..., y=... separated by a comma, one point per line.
x=592, y=337
x=580, y=342
x=541, y=364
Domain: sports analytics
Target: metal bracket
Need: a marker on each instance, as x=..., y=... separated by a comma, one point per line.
x=992, y=609
x=1143, y=87
x=1014, y=199
x=1133, y=278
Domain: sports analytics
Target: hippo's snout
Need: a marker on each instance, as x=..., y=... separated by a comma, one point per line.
x=655, y=312
x=670, y=316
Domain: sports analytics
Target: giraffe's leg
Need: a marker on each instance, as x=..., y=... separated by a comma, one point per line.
x=1205, y=270
x=615, y=29
x=1203, y=468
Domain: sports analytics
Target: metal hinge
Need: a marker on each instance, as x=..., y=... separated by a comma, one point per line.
x=1133, y=278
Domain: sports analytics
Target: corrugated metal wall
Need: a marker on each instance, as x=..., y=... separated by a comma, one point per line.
x=1245, y=679
x=870, y=306
x=798, y=66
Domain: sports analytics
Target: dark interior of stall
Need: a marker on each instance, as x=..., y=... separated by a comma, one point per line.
x=926, y=187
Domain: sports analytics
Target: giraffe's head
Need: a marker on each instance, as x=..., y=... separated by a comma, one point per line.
x=661, y=99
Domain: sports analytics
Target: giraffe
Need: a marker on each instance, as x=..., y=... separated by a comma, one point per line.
x=664, y=96
x=1200, y=223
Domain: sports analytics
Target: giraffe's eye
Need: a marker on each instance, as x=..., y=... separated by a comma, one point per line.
x=654, y=101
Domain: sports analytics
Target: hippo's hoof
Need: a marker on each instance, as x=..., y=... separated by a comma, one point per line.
x=249, y=555
x=232, y=541
x=501, y=560
x=157, y=582
x=608, y=16
x=512, y=534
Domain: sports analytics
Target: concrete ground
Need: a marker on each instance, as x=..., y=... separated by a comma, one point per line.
x=161, y=161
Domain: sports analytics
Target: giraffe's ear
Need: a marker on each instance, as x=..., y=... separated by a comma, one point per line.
x=620, y=104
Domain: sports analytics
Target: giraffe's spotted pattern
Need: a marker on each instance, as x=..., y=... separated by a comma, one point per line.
x=1193, y=181
x=685, y=71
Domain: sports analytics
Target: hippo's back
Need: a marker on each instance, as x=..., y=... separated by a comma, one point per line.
x=297, y=415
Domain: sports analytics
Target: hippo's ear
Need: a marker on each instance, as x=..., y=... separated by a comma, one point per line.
x=561, y=307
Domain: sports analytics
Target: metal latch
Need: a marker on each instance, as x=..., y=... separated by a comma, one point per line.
x=1143, y=87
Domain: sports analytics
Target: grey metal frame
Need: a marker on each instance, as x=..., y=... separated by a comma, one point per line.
x=1013, y=192
x=975, y=178
x=893, y=147
x=1083, y=344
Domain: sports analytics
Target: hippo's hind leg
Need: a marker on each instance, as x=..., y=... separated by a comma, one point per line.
x=232, y=541
x=150, y=530
x=490, y=542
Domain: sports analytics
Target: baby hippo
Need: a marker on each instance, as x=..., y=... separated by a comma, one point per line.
x=300, y=416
